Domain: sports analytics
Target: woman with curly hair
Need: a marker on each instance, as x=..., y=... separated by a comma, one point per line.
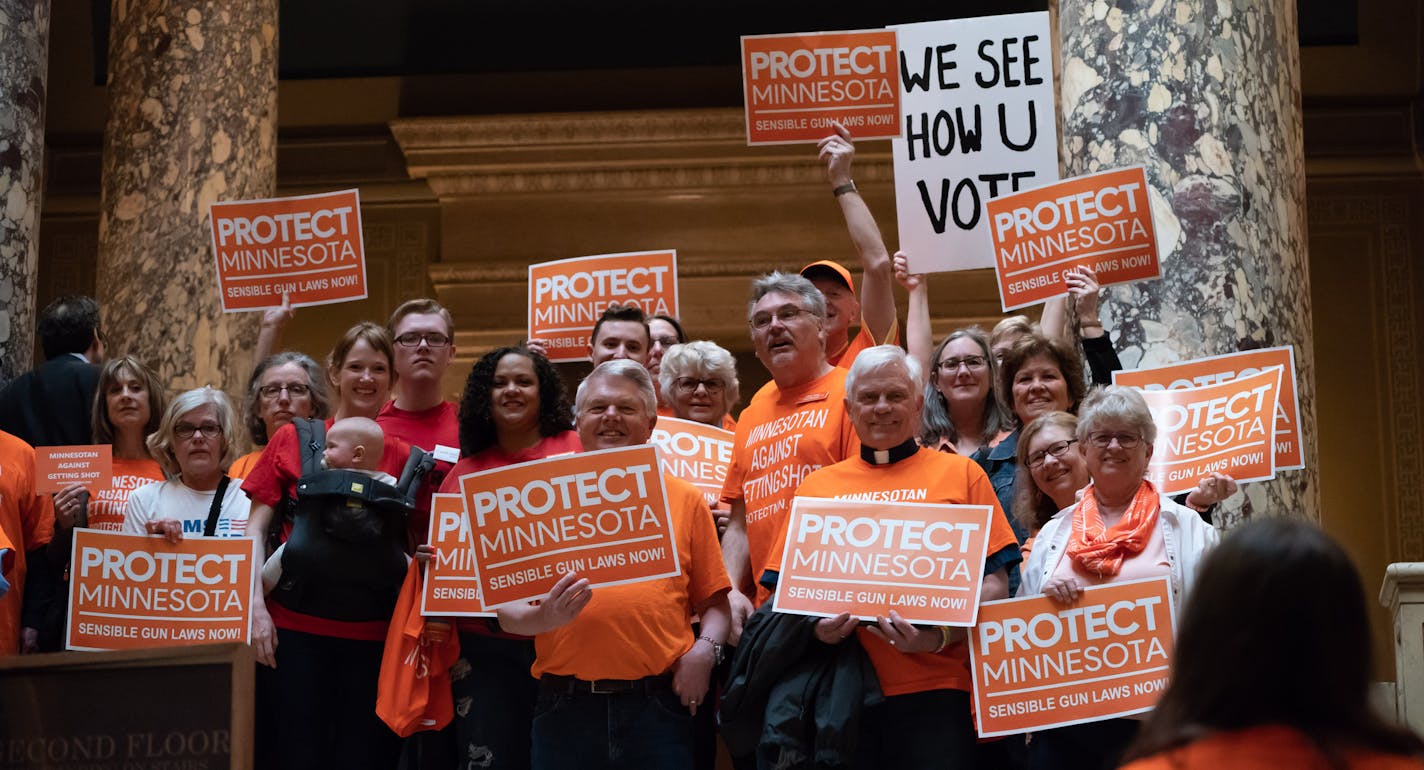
x=514, y=410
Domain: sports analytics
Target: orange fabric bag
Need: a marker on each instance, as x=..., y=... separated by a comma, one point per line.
x=413, y=692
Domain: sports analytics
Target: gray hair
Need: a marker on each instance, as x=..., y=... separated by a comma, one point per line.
x=252, y=405
x=1115, y=403
x=870, y=359
x=627, y=369
x=701, y=358
x=160, y=442
x=793, y=284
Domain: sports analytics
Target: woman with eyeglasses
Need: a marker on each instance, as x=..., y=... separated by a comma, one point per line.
x=698, y=382
x=193, y=444
x=1120, y=529
x=326, y=668
x=282, y=386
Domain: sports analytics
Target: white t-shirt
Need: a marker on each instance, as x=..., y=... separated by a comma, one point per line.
x=172, y=500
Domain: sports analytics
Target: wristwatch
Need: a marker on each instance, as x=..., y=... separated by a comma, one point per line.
x=718, y=650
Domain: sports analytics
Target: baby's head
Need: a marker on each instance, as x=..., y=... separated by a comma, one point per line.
x=355, y=443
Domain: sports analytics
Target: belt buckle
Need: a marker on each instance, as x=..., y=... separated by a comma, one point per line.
x=603, y=687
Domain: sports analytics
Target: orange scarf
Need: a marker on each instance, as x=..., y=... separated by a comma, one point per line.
x=1101, y=551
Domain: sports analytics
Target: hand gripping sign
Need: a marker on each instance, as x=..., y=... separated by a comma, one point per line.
x=1228, y=427
x=57, y=467
x=567, y=297
x=978, y=106
x=696, y=453
x=1102, y=221
x=133, y=591
x=796, y=87
x=602, y=515
x=1038, y=664
x=924, y=561
x=308, y=247
x=452, y=587
x=1216, y=369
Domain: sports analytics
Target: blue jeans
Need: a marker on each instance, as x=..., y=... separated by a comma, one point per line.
x=585, y=731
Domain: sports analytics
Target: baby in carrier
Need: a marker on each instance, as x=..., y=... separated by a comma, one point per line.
x=353, y=444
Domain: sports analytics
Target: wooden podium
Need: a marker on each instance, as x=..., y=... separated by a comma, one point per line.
x=162, y=709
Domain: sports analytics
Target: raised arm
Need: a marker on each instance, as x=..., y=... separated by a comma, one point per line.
x=919, y=337
x=877, y=296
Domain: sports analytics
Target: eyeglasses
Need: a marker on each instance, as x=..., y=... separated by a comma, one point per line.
x=689, y=385
x=1124, y=440
x=1057, y=449
x=413, y=339
x=188, y=430
x=294, y=389
x=785, y=315
x=974, y=363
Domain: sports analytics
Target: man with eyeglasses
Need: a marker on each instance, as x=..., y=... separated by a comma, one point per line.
x=424, y=334
x=795, y=426
x=923, y=671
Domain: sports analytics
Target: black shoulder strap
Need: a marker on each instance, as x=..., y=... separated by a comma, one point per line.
x=311, y=438
x=416, y=466
x=210, y=527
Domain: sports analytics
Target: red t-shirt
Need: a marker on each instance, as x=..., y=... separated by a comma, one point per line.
x=274, y=476
x=427, y=429
x=494, y=457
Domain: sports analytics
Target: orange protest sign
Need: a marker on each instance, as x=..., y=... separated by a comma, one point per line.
x=133, y=591
x=1102, y=221
x=452, y=587
x=567, y=297
x=696, y=453
x=1215, y=369
x=57, y=467
x=308, y=247
x=924, y=561
x=602, y=515
x=796, y=87
x=1226, y=428
x=1038, y=664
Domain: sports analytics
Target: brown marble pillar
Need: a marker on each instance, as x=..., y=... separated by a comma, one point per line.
x=24, y=47
x=1206, y=95
x=192, y=120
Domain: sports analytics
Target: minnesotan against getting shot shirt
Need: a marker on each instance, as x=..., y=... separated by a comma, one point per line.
x=783, y=436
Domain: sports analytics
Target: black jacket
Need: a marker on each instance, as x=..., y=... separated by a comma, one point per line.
x=52, y=405
x=793, y=701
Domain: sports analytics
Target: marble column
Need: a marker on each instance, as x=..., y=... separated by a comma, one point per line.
x=192, y=120
x=24, y=46
x=1206, y=95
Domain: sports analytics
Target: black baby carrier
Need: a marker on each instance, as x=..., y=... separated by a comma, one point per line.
x=345, y=558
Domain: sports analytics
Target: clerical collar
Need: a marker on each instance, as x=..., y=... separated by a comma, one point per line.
x=891, y=455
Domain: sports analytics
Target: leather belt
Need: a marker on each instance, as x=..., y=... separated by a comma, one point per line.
x=550, y=684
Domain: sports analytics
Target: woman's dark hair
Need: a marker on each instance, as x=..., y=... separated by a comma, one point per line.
x=477, y=429
x=113, y=368
x=1274, y=633
x=1032, y=346
x=935, y=423
x=251, y=407
x=676, y=325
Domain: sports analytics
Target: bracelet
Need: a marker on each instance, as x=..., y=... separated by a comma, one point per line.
x=943, y=638
x=1090, y=324
x=848, y=187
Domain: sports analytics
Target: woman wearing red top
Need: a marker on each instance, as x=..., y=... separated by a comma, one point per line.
x=1272, y=664
x=326, y=669
x=514, y=410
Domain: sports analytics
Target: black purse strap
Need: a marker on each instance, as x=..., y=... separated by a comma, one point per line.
x=211, y=525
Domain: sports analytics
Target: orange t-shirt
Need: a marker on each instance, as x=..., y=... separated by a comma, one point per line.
x=782, y=437
x=641, y=629
x=1265, y=748
x=926, y=477
x=27, y=520
x=244, y=464
x=106, y=509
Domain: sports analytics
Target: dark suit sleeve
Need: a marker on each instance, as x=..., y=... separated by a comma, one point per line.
x=1102, y=358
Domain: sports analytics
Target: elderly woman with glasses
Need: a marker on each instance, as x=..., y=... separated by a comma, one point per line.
x=193, y=444
x=1121, y=529
x=698, y=381
x=282, y=386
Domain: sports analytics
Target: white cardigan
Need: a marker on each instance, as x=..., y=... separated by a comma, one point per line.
x=1187, y=537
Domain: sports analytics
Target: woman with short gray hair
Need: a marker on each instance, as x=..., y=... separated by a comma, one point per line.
x=698, y=382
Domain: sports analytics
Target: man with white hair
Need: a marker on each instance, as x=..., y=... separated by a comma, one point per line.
x=620, y=670
x=924, y=721
x=795, y=426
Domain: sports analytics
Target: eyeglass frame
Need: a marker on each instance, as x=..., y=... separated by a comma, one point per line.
x=944, y=365
x=426, y=337
x=1035, y=460
x=1104, y=440
x=712, y=386
x=294, y=390
x=194, y=430
x=785, y=314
